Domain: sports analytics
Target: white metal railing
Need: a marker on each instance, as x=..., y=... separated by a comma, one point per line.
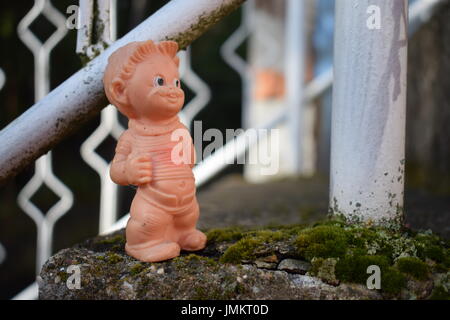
x=109, y=118
x=43, y=168
x=196, y=85
x=295, y=61
x=109, y=124
x=235, y=61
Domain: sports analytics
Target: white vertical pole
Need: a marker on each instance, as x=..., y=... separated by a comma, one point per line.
x=109, y=190
x=295, y=74
x=109, y=123
x=369, y=104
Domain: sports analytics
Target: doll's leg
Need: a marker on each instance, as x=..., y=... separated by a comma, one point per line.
x=146, y=233
x=190, y=238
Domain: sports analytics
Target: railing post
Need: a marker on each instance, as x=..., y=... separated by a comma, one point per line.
x=89, y=41
x=295, y=80
x=369, y=104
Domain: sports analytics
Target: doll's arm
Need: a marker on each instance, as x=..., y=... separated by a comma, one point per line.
x=118, y=165
x=126, y=169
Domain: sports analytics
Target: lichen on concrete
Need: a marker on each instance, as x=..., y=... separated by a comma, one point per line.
x=328, y=260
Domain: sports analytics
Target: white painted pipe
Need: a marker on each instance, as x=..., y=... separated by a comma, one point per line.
x=295, y=76
x=369, y=104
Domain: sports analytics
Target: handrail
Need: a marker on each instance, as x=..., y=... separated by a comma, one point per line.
x=81, y=97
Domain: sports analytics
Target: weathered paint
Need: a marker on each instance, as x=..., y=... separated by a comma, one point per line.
x=369, y=105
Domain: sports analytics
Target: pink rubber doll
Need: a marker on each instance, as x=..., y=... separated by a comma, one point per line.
x=142, y=81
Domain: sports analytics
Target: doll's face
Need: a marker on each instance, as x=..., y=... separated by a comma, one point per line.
x=154, y=91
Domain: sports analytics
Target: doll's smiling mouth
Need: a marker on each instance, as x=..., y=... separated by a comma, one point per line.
x=172, y=100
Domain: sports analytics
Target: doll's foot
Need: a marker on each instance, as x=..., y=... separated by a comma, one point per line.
x=193, y=241
x=158, y=252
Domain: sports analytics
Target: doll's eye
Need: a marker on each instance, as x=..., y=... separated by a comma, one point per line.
x=176, y=83
x=158, y=81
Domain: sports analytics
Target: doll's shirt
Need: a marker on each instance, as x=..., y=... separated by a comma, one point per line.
x=172, y=184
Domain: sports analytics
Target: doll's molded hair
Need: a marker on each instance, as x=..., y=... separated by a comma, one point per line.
x=122, y=63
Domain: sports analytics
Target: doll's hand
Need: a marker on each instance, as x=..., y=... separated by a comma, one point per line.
x=139, y=170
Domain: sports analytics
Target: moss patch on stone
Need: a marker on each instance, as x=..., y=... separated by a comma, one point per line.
x=136, y=269
x=340, y=252
x=440, y=293
x=414, y=267
x=190, y=260
x=323, y=241
x=113, y=258
x=225, y=234
x=252, y=245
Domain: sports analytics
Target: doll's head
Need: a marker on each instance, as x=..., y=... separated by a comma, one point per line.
x=142, y=80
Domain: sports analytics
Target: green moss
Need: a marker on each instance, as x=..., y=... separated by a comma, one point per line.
x=440, y=293
x=136, y=269
x=113, y=258
x=441, y=290
x=116, y=240
x=322, y=241
x=63, y=276
x=185, y=262
x=267, y=235
x=432, y=247
x=291, y=230
x=435, y=253
x=414, y=267
x=101, y=258
x=244, y=249
x=354, y=268
x=392, y=281
x=210, y=293
x=226, y=234
x=253, y=244
x=342, y=252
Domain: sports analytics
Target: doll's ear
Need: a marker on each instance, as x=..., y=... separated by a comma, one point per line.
x=118, y=93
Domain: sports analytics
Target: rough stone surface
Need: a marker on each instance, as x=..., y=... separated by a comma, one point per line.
x=108, y=273
x=295, y=266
